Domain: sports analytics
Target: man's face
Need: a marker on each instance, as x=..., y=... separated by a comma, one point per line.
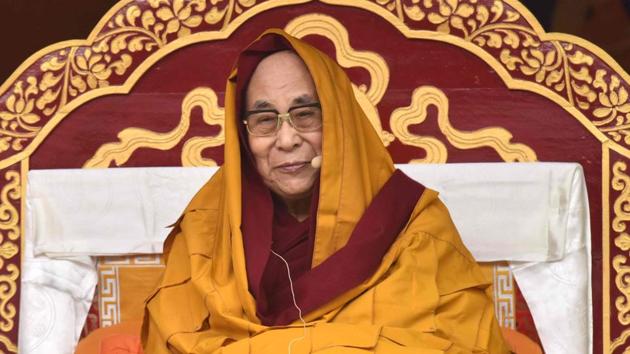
x=282, y=81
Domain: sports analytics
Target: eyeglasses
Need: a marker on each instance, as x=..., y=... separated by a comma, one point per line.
x=304, y=118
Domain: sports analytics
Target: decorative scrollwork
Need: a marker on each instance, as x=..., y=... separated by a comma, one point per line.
x=19, y=121
x=621, y=208
x=620, y=341
x=8, y=289
x=496, y=138
x=9, y=227
x=499, y=29
x=9, y=215
x=348, y=57
x=77, y=70
x=67, y=73
x=192, y=151
x=621, y=182
x=8, y=344
x=473, y=20
x=613, y=113
x=622, y=303
x=623, y=241
x=560, y=66
x=400, y=121
x=207, y=100
x=567, y=70
x=145, y=29
x=132, y=139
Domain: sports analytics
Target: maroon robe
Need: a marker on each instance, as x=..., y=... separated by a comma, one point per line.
x=266, y=225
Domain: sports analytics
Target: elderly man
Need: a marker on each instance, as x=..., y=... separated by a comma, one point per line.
x=307, y=239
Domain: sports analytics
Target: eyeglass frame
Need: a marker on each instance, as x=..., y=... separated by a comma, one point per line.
x=281, y=118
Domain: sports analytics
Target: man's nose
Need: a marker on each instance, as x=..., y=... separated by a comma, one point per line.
x=287, y=137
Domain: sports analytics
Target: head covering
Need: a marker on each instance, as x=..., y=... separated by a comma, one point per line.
x=264, y=270
x=266, y=224
x=355, y=165
x=351, y=150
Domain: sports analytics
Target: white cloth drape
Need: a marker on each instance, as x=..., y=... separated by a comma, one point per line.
x=535, y=216
x=55, y=297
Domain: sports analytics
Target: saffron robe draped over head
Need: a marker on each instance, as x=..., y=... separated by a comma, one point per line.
x=388, y=271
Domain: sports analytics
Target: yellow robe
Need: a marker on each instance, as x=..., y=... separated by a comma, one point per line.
x=427, y=295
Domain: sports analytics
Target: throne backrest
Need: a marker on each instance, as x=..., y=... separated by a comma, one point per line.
x=442, y=81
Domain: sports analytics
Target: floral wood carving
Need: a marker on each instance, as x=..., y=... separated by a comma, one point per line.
x=563, y=67
x=133, y=32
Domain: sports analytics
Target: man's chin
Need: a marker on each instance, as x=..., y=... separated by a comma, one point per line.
x=295, y=193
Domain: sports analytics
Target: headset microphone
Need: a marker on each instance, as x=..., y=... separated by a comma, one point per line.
x=316, y=162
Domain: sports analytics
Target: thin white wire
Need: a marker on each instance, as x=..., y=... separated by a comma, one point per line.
x=294, y=340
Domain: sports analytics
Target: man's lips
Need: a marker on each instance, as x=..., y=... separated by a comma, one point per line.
x=292, y=166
